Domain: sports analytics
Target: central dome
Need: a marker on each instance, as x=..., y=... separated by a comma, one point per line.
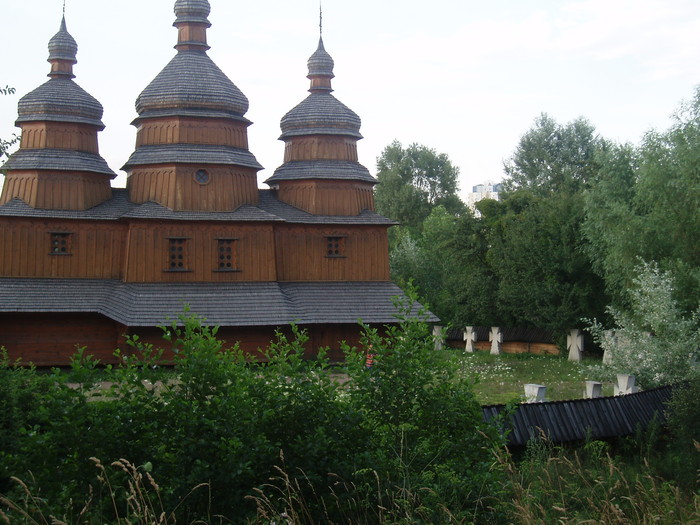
x=192, y=81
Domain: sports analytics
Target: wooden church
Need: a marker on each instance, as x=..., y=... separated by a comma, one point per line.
x=86, y=264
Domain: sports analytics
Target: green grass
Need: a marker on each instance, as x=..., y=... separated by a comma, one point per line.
x=500, y=379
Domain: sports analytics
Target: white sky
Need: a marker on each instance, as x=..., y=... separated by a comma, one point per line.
x=465, y=77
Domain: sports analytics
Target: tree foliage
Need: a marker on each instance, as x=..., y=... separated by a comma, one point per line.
x=412, y=181
x=644, y=204
x=553, y=159
x=653, y=339
x=5, y=145
x=400, y=440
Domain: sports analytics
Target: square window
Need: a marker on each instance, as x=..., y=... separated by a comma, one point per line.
x=335, y=246
x=60, y=243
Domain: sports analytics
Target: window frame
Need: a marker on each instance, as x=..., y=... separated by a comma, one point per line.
x=67, y=237
x=341, y=247
x=185, y=255
x=235, y=261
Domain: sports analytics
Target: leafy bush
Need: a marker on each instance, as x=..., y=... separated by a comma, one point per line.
x=397, y=441
x=653, y=340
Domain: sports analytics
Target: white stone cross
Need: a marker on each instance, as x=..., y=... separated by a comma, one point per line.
x=574, y=343
x=496, y=338
x=470, y=337
x=594, y=389
x=535, y=393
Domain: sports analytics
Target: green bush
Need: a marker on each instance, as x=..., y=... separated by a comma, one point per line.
x=400, y=441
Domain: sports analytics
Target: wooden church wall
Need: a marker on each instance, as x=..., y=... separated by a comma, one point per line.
x=50, y=339
x=191, y=252
x=332, y=253
x=56, y=248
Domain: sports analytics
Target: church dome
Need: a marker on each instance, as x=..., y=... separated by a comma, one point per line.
x=320, y=114
x=320, y=63
x=192, y=82
x=192, y=11
x=62, y=45
x=60, y=100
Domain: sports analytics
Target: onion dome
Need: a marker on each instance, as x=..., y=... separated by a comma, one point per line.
x=320, y=113
x=195, y=11
x=60, y=100
x=321, y=135
x=321, y=63
x=192, y=83
x=63, y=46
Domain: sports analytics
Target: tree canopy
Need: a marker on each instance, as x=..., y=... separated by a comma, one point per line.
x=414, y=180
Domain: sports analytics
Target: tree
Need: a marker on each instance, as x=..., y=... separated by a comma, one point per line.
x=554, y=158
x=544, y=278
x=537, y=249
x=644, y=204
x=5, y=145
x=653, y=339
x=414, y=180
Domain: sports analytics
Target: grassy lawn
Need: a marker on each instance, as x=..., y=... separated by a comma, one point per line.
x=500, y=379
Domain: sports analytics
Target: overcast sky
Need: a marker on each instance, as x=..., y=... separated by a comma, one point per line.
x=465, y=77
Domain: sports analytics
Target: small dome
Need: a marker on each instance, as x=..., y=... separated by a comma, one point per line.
x=191, y=80
x=192, y=11
x=62, y=46
x=321, y=114
x=60, y=100
x=320, y=63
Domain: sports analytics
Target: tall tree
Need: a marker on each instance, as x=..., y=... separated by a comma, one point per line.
x=413, y=181
x=644, y=206
x=554, y=158
x=537, y=249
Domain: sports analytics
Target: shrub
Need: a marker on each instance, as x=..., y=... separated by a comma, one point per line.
x=653, y=340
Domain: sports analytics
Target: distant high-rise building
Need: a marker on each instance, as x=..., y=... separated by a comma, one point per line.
x=483, y=191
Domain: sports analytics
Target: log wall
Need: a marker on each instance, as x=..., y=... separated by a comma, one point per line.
x=148, y=258
x=94, y=251
x=302, y=253
x=328, y=197
x=176, y=187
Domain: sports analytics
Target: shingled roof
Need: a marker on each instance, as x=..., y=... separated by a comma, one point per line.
x=223, y=304
x=269, y=208
x=192, y=80
x=321, y=169
x=57, y=160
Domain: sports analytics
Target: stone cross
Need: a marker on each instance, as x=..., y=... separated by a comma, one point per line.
x=574, y=344
x=625, y=385
x=496, y=338
x=594, y=389
x=535, y=393
x=470, y=337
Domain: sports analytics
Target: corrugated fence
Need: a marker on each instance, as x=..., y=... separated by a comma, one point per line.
x=580, y=419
